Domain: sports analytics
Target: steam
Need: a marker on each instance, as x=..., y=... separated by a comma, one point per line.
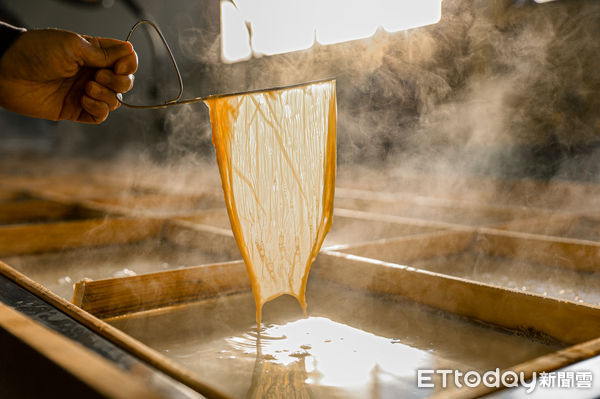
x=189, y=133
x=506, y=91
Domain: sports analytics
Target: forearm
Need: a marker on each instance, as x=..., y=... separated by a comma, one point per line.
x=8, y=34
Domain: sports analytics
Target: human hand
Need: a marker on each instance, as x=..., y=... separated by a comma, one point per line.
x=56, y=74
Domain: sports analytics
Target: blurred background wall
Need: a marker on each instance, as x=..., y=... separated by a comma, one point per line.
x=501, y=88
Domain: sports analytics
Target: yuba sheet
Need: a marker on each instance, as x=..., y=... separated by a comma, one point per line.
x=276, y=152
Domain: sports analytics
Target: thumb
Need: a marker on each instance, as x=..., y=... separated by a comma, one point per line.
x=99, y=52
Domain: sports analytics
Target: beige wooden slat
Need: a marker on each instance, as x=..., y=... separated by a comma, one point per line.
x=553, y=251
x=569, y=253
x=116, y=296
x=151, y=201
x=42, y=210
x=35, y=238
x=9, y=194
x=565, y=321
x=543, y=225
x=413, y=247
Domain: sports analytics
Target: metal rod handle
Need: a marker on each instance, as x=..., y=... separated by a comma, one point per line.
x=177, y=100
x=173, y=101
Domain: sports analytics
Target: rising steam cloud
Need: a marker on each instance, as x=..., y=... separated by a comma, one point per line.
x=506, y=90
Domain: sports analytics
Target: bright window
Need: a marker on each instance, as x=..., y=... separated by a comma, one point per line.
x=267, y=27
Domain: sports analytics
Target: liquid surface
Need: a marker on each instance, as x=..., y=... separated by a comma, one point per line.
x=352, y=344
x=276, y=157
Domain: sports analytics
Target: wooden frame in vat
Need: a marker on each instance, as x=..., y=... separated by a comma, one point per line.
x=576, y=226
x=434, y=210
x=157, y=205
x=41, y=210
x=567, y=253
x=498, y=306
x=37, y=238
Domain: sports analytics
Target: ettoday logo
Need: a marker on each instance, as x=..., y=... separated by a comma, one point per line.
x=496, y=379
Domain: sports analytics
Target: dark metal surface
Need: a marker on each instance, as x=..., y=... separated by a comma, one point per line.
x=25, y=302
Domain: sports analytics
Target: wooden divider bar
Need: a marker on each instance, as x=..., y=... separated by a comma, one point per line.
x=436, y=202
x=550, y=224
x=544, y=250
x=36, y=210
x=11, y=194
x=412, y=248
x=116, y=296
x=34, y=238
x=553, y=251
x=565, y=321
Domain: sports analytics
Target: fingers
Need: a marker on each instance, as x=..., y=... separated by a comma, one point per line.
x=99, y=52
x=117, y=83
x=95, y=111
x=100, y=93
x=126, y=65
x=117, y=61
x=123, y=65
